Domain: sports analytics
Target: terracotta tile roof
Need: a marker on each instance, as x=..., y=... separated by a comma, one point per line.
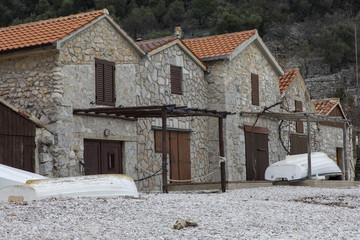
x=286, y=80
x=44, y=31
x=152, y=44
x=324, y=106
x=217, y=45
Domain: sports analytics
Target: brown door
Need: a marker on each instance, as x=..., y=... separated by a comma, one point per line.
x=17, y=152
x=178, y=147
x=257, y=155
x=339, y=157
x=298, y=144
x=102, y=157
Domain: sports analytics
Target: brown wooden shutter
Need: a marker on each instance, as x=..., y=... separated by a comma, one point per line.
x=158, y=141
x=105, y=82
x=255, y=89
x=299, y=124
x=176, y=79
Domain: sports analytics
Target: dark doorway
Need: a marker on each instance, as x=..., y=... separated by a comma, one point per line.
x=257, y=152
x=298, y=144
x=17, y=140
x=178, y=146
x=102, y=157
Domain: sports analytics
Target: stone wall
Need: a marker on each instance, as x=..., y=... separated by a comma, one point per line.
x=50, y=83
x=154, y=88
x=230, y=89
x=77, y=58
x=298, y=91
x=331, y=139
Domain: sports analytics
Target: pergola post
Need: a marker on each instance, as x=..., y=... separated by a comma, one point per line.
x=164, y=151
x=309, y=146
x=344, y=152
x=222, y=154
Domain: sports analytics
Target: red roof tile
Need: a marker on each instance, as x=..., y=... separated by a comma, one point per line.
x=286, y=80
x=324, y=106
x=152, y=44
x=44, y=31
x=217, y=45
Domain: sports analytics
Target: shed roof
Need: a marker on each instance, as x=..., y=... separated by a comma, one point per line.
x=326, y=105
x=23, y=113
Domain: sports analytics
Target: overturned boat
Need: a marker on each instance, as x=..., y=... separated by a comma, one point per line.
x=13, y=176
x=295, y=167
x=104, y=185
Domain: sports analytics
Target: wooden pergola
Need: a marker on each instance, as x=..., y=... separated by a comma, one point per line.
x=163, y=112
x=307, y=117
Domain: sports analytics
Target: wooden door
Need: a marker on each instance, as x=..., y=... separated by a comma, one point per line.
x=339, y=158
x=17, y=152
x=257, y=155
x=111, y=157
x=298, y=144
x=102, y=157
x=178, y=147
x=184, y=156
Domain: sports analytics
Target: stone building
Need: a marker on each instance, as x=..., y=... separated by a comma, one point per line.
x=296, y=98
x=327, y=137
x=76, y=73
x=56, y=67
x=331, y=135
x=243, y=77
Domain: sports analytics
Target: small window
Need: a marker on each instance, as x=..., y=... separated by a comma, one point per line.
x=255, y=89
x=176, y=79
x=105, y=82
x=299, y=124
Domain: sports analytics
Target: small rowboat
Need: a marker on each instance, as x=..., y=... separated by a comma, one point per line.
x=13, y=176
x=26, y=186
x=295, y=167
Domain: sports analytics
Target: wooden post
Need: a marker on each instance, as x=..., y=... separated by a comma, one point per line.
x=164, y=151
x=222, y=154
x=309, y=146
x=344, y=153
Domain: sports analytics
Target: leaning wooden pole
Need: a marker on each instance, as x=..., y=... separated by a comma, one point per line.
x=164, y=151
x=222, y=154
x=309, y=147
x=344, y=153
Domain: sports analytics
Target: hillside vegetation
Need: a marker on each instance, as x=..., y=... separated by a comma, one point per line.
x=315, y=35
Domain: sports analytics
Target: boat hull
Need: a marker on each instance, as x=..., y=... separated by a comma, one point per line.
x=104, y=185
x=13, y=176
x=295, y=167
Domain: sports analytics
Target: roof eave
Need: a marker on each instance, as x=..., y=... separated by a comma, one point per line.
x=214, y=58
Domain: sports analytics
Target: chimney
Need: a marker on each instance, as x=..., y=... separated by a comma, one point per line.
x=178, y=32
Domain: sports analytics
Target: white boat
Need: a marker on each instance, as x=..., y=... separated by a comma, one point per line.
x=295, y=167
x=104, y=185
x=13, y=176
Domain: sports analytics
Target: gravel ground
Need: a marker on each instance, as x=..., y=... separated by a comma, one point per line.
x=280, y=212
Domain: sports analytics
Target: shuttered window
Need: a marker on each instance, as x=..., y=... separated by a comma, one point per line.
x=299, y=124
x=105, y=82
x=176, y=79
x=255, y=89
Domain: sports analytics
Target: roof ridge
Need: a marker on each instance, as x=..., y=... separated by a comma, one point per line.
x=218, y=35
x=30, y=24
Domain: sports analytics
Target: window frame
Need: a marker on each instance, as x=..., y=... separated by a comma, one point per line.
x=105, y=82
x=255, y=90
x=176, y=79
